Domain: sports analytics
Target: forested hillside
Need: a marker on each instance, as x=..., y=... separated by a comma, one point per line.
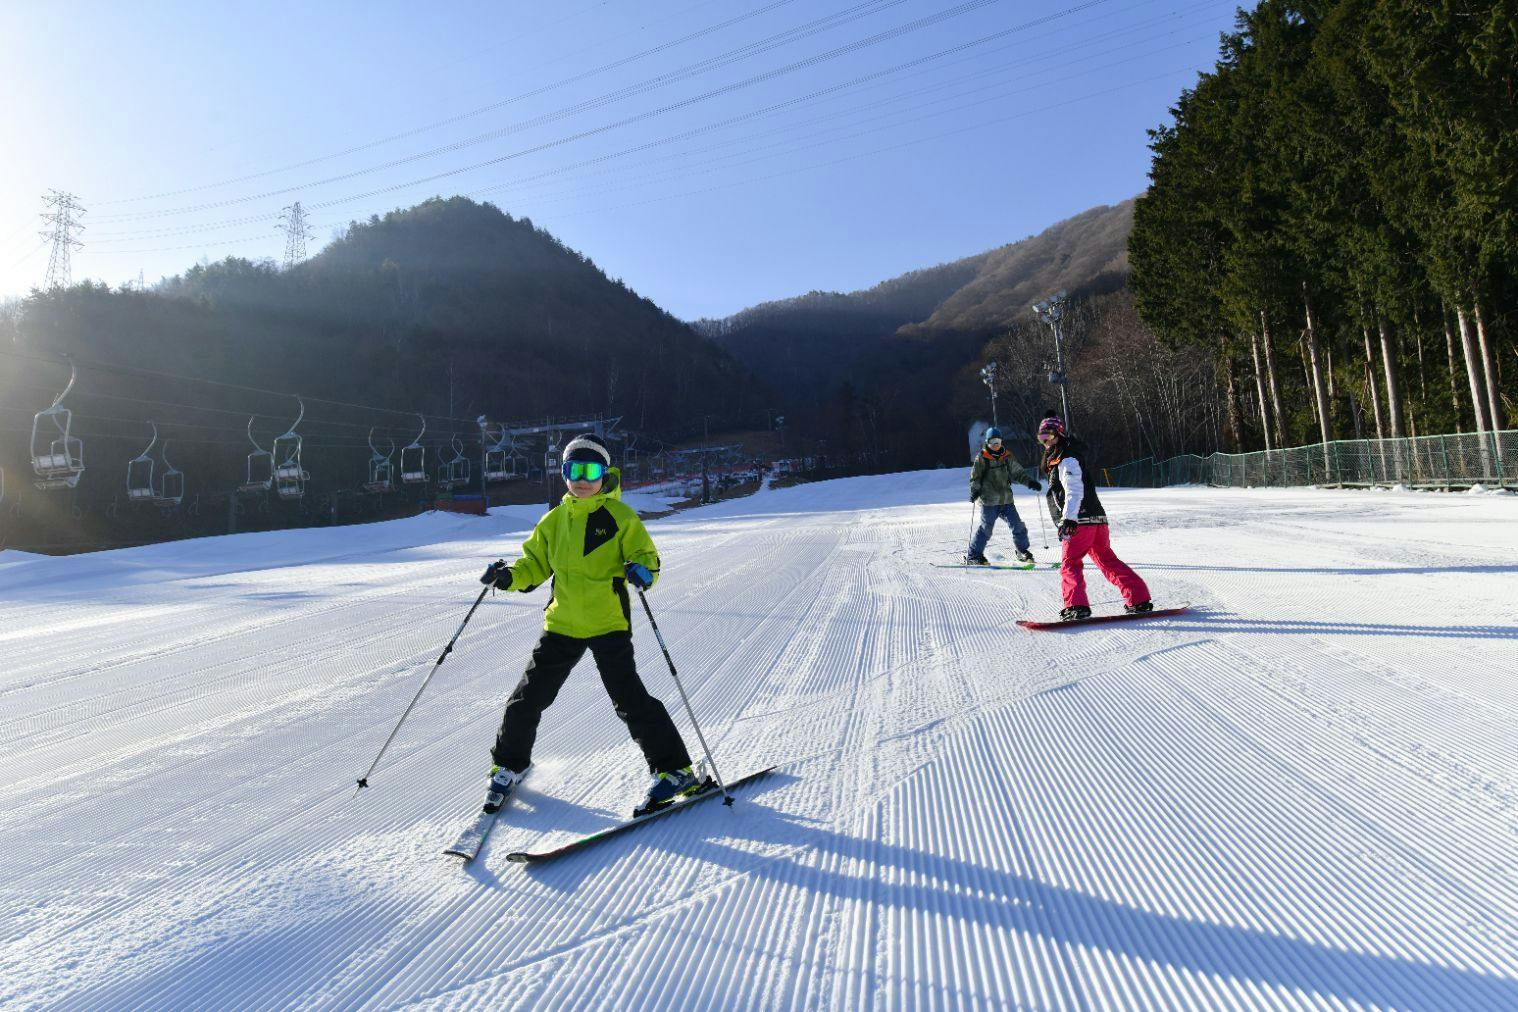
x=450, y=308
x=884, y=368
x=1334, y=220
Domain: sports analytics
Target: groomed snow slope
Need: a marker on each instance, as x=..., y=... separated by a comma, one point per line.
x=1303, y=794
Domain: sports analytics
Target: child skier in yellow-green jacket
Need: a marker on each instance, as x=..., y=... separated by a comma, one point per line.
x=588, y=549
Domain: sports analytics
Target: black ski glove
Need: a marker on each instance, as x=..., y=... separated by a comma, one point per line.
x=974, y=493
x=1067, y=529
x=1033, y=486
x=497, y=575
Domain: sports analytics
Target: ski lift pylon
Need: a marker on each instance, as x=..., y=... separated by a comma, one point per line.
x=57, y=455
x=260, y=465
x=289, y=476
x=414, y=458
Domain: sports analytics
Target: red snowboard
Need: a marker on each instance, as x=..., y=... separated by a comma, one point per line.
x=1094, y=619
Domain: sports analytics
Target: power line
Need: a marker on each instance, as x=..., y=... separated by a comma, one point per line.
x=27, y=256
x=916, y=66
x=788, y=130
x=805, y=63
x=872, y=40
x=1044, y=56
x=883, y=150
x=492, y=107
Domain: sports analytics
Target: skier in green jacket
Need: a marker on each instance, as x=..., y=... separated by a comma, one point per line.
x=588, y=548
x=991, y=480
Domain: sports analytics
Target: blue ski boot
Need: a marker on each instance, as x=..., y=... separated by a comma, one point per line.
x=502, y=782
x=667, y=788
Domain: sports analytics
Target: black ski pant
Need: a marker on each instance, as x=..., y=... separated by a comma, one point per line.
x=552, y=660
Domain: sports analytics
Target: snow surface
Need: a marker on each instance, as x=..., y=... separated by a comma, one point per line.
x=1302, y=795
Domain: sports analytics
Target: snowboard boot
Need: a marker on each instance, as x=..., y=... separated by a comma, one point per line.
x=1024, y=556
x=502, y=782
x=1075, y=613
x=1142, y=608
x=667, y=788
x=976, y=560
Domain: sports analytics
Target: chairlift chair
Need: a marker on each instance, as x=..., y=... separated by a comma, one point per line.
x=140, y=473
x=381, y=470
x=497, y=463
x=260, y=466
x=414, y=458
x=454, y=473
x=170, y=482
x=289, y=476
x=57, y=455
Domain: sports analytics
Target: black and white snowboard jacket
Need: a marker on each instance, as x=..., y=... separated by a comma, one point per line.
x=1071, y=495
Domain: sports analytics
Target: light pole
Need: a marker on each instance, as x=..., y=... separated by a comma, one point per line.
x=1051, y=311
x=988, y=377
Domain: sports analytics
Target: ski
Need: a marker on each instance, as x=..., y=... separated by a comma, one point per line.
x=708, y=790
x=1010, y=565
x=468, y=845
x=1097, y=619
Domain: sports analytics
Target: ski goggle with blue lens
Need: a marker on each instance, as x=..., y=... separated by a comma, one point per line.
x=584, y=470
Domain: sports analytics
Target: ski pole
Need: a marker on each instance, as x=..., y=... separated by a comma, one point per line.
x=971, y=540
x=363, y=781
x=1042, y=526
x=727, y=799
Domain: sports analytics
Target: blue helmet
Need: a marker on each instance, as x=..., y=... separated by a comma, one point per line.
x=992, y=433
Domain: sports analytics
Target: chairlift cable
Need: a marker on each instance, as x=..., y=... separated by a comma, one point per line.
x=138, y=371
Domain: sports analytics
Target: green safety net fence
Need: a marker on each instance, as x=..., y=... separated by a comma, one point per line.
x=1457, y=461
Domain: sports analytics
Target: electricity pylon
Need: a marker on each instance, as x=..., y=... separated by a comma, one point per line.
x=293, y=224
x=62, y=215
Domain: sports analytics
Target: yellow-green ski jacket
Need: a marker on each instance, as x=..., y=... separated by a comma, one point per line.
x=582, y=546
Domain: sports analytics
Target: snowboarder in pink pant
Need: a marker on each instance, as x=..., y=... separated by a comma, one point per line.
x=1082, y=524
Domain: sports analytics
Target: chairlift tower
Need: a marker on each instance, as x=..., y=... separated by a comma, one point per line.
x=293, y=224
x=62, y=215
x=1052, y=311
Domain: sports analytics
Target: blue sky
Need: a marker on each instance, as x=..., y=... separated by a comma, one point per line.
x=710, y=154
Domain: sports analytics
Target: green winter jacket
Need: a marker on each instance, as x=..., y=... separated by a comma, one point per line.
x=992, y=477
x=582, y=545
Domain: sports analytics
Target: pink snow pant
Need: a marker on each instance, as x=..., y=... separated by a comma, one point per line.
x=1093, y=540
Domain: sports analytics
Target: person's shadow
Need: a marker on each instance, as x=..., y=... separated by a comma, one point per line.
x=1003, y=901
